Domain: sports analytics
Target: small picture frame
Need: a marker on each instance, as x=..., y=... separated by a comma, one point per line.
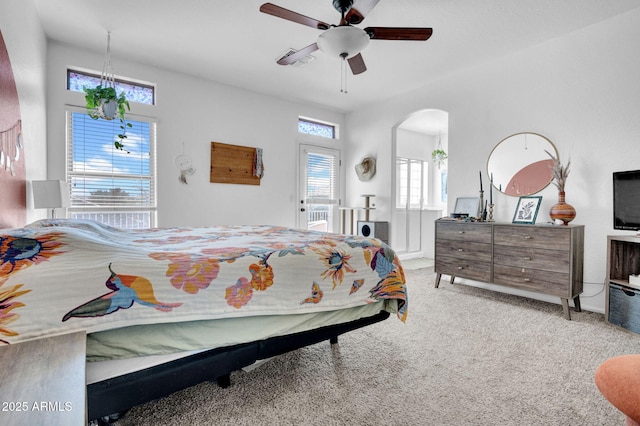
x=527, y=210
x=467, y=205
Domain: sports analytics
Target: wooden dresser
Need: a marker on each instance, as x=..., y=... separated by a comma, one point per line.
x=540, y=258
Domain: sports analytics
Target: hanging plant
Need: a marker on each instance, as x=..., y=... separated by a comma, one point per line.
x=439, y=156
x=104, y=102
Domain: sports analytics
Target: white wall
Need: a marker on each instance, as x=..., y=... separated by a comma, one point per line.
x=195, y=112
x=26, y=45
x=580, y=90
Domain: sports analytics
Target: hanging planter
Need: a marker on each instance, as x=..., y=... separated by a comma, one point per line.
x=104, y=102
x=439, y=155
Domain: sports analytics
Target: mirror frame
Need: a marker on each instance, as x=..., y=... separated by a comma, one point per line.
x=528, y=167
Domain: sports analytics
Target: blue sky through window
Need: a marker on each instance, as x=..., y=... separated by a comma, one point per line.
x=120, y=178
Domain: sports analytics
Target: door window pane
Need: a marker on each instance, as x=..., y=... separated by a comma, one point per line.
x=321, y=187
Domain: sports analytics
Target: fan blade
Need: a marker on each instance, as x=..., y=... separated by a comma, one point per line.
x=357, y=64
x=296, y=56
x=396, y=33
x=281, y=12
x=359, y=10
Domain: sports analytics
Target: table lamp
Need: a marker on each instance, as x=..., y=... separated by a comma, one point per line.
x=50, y=194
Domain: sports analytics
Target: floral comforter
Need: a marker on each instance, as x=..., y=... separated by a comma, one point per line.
x=59, y=276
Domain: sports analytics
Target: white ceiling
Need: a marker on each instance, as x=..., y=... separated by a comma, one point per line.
x=233, y=43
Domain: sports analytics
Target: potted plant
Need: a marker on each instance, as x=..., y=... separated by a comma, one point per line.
x=439, y=156
x=104, y=102
x=562, y=210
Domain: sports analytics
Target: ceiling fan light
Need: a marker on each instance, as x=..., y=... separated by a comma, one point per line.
x=338, y=41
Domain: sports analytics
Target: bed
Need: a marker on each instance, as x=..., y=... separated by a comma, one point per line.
x=168, y=308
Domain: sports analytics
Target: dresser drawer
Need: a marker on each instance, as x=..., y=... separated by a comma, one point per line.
x=480, y=271
x=532, y=258
x=464, y=250
x=461, y=231
x=553, y=283
x=555, y=238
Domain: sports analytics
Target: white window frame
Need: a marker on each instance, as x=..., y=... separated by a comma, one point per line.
x=412, y=182
x=118, y=216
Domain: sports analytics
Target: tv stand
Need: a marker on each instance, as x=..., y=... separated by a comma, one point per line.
x=623, y=259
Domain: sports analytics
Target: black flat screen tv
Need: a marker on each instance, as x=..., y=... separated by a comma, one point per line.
x=626, y=200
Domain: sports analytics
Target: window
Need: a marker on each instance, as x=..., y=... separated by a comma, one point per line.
x=321, y=177
x=109, y=185
x=320, y=187
x=135, y=92
x=411, y=183
x=316, y=128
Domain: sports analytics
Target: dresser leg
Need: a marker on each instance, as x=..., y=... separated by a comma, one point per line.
x=576, y=303
x=452, y=279
x=565, y=308
x=438, y=280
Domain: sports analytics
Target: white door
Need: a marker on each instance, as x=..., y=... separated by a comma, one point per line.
x=319, y=187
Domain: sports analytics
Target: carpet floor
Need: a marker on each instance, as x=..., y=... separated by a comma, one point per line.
x=465, y=356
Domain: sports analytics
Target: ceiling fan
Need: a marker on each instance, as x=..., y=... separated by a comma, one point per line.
x=344, y=40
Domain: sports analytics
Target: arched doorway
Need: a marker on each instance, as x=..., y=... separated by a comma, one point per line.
x=418, y=184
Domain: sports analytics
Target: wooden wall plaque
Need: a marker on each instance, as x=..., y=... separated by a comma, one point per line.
x=233, y=164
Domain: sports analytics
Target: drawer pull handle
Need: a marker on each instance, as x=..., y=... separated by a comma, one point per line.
x=526, y=280
x=460, y=232
x=527, y=237
x=460, y=268
x=460, y=250
x=527, y=258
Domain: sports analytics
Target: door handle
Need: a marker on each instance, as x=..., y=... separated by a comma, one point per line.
x=302, y=209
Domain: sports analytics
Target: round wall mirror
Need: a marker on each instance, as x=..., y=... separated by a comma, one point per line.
x=519, y=164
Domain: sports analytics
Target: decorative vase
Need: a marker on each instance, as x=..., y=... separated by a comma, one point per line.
x=563, y=211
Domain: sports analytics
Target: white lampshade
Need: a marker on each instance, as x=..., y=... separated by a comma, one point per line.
x=343, y=41
x=50, y=194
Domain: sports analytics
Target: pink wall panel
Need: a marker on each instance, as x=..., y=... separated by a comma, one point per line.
x=13, y=183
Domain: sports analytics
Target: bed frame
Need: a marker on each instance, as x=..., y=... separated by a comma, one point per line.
x=109, y=399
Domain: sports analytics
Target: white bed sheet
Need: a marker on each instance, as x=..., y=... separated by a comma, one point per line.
x=228, y=333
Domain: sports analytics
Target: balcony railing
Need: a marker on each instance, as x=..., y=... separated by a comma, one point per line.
x=315, y=216
x=318, y=219
x=124, y=220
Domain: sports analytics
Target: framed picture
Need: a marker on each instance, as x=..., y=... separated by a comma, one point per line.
x=467, y=205
x=527, y=210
